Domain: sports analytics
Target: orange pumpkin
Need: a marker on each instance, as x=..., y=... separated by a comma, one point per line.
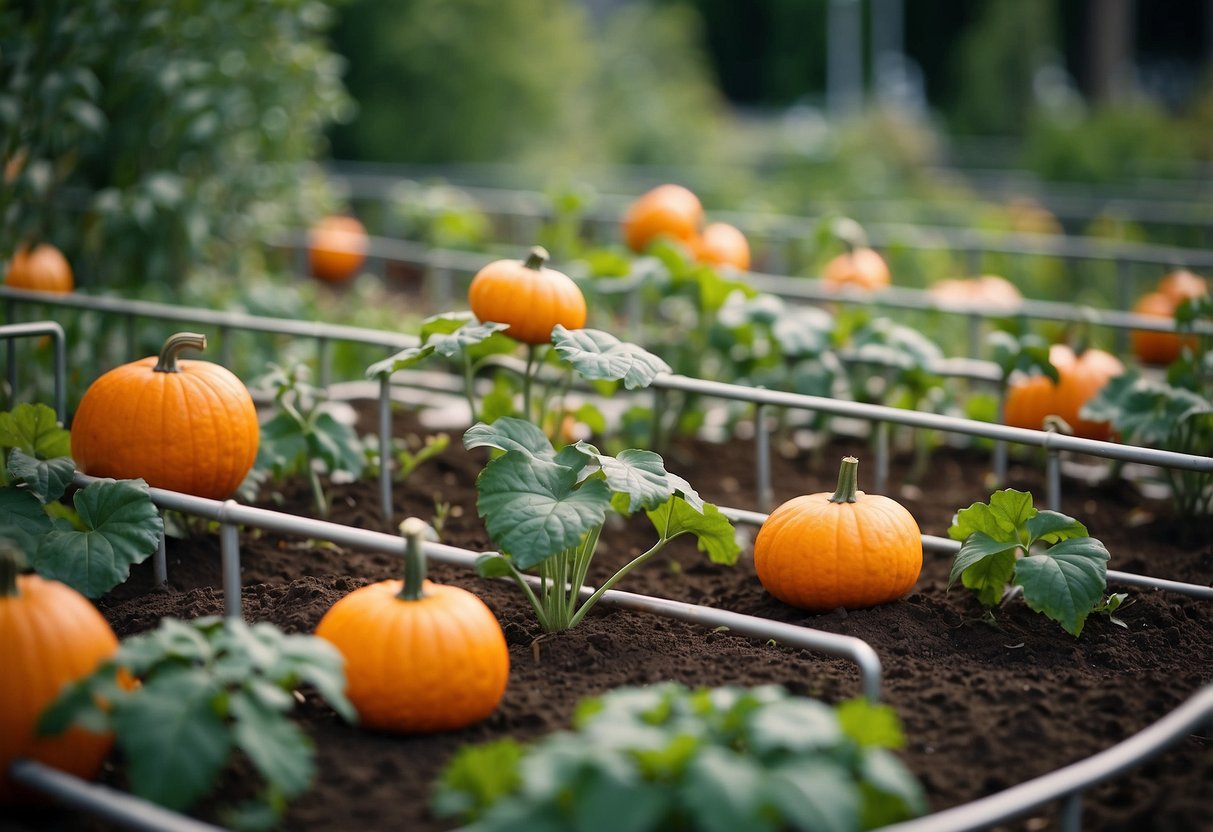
x=42, y=269
x=847, y=549
x=666, y=211
x=1031, y=398
x=1153, y=347
x=860, y=267
x=337, y=248
x=50, y=636
x=187, y=426
x=988, y=291
x=1181, y=285
x=721, y=244
x=419, y=656
x=528, y=296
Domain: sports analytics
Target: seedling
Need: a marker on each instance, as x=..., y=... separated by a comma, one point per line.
x=1007, y=542
x=546, y=510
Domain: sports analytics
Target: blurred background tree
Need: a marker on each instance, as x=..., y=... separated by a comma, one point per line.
x=149, y=140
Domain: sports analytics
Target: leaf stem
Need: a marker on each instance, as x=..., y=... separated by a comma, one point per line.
x=469, y=386
x=614, y=579
x=526, y=381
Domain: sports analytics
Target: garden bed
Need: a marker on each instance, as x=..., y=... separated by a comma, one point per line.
x=984, y=706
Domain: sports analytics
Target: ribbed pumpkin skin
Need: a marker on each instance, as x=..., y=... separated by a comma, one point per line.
x=50, y=635
x=436, y=664
x=44, y=269
x=531, y=301
x=862, y=268
x=1031, y=399
x=193, y=431
x=666, y=211
x=721, y=244
x=818, y=555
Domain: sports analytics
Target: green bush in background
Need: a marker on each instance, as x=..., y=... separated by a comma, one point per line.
x=146, y=140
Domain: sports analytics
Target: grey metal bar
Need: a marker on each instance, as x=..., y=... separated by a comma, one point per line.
x=882, y=457
x=8, y=332
x=160, y=564
x=1070, y=819
x=1021, y=800
x=762, y=458
x=229, y=551
x=1053, y=479
x=102, y=801
x=935, y=421
x=385, y=447
x=324, y=361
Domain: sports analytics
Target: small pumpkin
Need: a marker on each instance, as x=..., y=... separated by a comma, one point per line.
x=861, y=267
x=1181, y=285
x=337, y=247
x=527, y=296
x=1080, y=376
x=666, y=211
x=846, y=549
x=188, y=426
x=50, y=636
x=989, y=291
x=722, y=244
x=41, y=269
x=1152, y=346
x=419, y=657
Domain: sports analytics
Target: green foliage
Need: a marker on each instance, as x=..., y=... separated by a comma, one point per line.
x=208, y=689
x=546, y=509
x=151, y=140
x=670, y=757
x=536, y=82
x=1065, y=581
x=304, y=432
x=91, y=547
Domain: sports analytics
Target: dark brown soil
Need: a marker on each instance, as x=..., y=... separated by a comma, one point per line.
x=985, y=703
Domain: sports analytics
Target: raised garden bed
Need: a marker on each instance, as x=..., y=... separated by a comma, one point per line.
x=984, y=705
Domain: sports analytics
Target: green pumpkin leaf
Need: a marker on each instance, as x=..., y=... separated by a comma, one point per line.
x=279, y=749
x=336, y=444
x=813, y=793
x=803, y=331
x=35, y=430
x=638, y=474
x=534, y=508
x=173, y=736
x=716, y=535
x=600, y=356
x=1066, y=582
x=1001, y=518
x=1053, y=526
x=510, y=434
x=407, y=357
x=984, y=564
x=23, y=520
x=724, y=791
x=891, y=793
x=477, y=777
x=464, y=338
x=46, y=479
x=122, y=528
x=795, y=725
x=872, y=726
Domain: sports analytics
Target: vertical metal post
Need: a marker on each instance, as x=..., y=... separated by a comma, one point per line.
x=882, y=457
x=324, y=362
x=385, y=447
x=973, y=261
x=1053, y=477
x=160, y=562
x=229, y=552
x=633, y=313
x=1070, y=817
x=439, y=280
x=60, y=346
x=10, y=356
x=844, y=57
x=225, y=346
x=762, y=458
x=1000, y=446
x=1124, y=300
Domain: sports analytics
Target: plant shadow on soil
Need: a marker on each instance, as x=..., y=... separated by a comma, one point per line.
x=985, y=703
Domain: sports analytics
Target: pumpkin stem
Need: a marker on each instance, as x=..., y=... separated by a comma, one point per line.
x=173, y=347
x=848, y=481
x=537, y=257
x=413, y=530
x=12, y=562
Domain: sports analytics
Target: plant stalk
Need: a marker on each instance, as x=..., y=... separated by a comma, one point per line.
x=12, y=561
x=848, y=481
x=413, y=530
x=167, y=362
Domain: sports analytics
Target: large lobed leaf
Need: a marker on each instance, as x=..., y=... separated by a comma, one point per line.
x=1065, y=582
x=600, y=356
